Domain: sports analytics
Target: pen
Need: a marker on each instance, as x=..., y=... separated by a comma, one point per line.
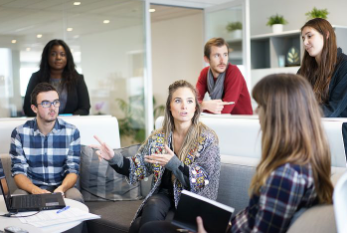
x=63, y=209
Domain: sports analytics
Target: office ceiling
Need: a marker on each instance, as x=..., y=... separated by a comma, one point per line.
x=18, y=17
x=167, y=12
x=23, y=20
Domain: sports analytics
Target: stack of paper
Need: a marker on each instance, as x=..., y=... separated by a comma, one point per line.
x=51, y=217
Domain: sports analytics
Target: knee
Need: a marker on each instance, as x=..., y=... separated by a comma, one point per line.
x=74, y=194
x=152, y=201
x=155, y=200
x=20, y=192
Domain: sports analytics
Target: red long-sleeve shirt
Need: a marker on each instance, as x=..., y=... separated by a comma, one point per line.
x=235, y=90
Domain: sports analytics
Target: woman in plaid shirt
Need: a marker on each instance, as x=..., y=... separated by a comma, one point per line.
x=294, y=171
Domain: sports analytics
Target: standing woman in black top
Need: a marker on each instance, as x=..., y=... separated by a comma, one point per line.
x=325, y=67
x=57, y=67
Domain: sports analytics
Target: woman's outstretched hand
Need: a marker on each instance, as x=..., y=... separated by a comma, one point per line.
x=104, y=151
x=161, y=159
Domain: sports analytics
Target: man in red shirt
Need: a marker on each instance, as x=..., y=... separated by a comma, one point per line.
x=223, y=81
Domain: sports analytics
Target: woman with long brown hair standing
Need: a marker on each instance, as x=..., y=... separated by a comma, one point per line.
x=325, y=67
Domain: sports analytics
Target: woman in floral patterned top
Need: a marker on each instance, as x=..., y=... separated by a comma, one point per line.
x=183, y=154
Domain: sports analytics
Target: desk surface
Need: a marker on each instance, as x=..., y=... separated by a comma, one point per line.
x=5, y=222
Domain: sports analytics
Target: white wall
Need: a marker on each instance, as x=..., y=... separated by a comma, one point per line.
x=294, y=12
x=107, y=66
x=177, y=52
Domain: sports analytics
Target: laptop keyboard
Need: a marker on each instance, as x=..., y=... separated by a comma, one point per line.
x=28, y=201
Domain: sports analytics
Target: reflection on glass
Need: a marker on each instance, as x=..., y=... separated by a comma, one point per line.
x=111, y=56
x=227, y=24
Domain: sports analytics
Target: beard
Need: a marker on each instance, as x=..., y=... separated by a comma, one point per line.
x=217, y=70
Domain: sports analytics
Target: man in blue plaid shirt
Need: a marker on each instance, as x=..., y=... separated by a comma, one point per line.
x=45, y=151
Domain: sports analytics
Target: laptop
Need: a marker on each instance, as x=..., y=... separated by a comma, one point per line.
x=31, y=202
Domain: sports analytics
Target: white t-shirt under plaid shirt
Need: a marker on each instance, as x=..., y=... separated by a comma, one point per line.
x=45, y=160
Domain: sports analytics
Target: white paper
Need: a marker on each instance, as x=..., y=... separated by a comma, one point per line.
x=50, y=217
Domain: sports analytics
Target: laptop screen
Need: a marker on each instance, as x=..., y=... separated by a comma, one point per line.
x=3, y=184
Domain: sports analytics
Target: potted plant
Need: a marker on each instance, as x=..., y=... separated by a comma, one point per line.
x=317, y=13
x=276, y=22
x=235, y=29
x=132, y=127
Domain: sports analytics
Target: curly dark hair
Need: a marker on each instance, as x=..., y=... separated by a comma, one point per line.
x=69, y=74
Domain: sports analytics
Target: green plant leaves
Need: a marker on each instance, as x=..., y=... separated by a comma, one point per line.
x=317, y=13
x=276, y=19
x=233, y=26
x=133, y=124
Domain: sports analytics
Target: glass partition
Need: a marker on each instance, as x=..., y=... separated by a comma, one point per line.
x=107, y=40
x=227, y=23
x=231, y=22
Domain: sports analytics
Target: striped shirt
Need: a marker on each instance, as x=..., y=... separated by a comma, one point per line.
x=45, y=160
x=288, y=189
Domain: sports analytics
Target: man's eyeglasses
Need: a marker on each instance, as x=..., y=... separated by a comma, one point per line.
x=48, y=104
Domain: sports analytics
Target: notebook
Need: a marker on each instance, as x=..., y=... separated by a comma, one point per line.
x=31, y=202
x=216, y=216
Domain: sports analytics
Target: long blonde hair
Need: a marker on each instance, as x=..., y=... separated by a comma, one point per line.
x=291, y=131
x=191, y=140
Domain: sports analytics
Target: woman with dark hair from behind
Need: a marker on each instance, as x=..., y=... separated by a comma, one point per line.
x=57, y=67
x=325, y=67
x=295, y=165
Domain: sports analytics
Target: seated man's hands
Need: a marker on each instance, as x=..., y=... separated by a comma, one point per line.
x=214, y=106
x=37, y=190
x=104, y=151
x=59, y=190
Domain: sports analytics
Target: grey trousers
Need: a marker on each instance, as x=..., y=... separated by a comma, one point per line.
x=72, y=193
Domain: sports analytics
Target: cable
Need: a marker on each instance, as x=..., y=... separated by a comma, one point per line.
x=8, y=215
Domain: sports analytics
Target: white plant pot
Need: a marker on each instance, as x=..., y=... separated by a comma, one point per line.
x=237, y=34
x=277, y=28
